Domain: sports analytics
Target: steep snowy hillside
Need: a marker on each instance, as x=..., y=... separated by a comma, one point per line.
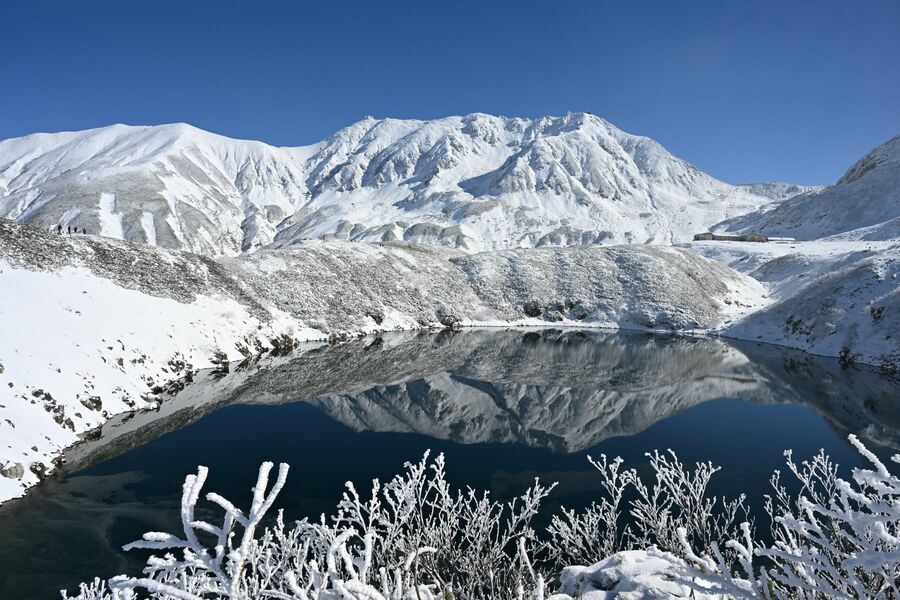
x=475, y=182
x=852, y=311
x=864, y=204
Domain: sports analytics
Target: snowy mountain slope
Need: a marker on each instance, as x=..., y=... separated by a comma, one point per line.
x=173, y=185
x=340, y=286
x=489, y=182
x=93, y=326
x=853, y=311
x=474, y=182
x=831, y=297
x=864, y=204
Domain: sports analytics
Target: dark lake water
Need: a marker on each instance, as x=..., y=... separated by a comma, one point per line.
x=503, y=406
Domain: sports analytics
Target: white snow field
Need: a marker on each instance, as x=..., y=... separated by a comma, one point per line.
x=475, y=182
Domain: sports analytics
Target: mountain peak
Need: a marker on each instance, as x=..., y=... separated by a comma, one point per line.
x=885, y=155
x=864, y=204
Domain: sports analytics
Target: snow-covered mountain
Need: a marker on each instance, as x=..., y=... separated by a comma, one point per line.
x=475, y=182
x=174, y=185
x=778, y=190
x=864, y=204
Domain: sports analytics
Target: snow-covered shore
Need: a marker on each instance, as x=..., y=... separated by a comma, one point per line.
x=832, y=298
x=94, y=327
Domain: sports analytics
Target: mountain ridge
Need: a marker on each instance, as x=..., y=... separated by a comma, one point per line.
x=475, y=182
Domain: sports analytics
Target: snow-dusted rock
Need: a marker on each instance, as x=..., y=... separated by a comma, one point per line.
x=559, y=285
x=851, y=311
x=475, y=182
x=631, y=575
x=833, y=298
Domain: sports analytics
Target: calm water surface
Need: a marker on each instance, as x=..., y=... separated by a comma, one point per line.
x=504, y=407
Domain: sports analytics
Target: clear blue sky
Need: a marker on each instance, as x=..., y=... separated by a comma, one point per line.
x=746, y=90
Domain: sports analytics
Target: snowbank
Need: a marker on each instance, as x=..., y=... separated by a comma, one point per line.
x=631, y=575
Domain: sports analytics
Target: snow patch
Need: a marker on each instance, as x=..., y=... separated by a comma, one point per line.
x=110, y=220
x=148, y=224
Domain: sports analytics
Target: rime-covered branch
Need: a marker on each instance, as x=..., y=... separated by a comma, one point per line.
x=415, y=538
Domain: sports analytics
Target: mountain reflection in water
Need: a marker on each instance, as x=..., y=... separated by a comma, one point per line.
x=561, y=390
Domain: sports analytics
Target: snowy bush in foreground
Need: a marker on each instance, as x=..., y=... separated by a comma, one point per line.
x=836, y=539
x=414, y=538
x=676, y=500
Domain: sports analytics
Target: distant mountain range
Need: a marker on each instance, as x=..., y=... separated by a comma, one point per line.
x=474, y=182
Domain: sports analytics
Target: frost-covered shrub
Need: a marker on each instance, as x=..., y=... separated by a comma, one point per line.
x=583, y=538
x=834, y=539
x=465, y=540
x=414, y=538
x=651, y=516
